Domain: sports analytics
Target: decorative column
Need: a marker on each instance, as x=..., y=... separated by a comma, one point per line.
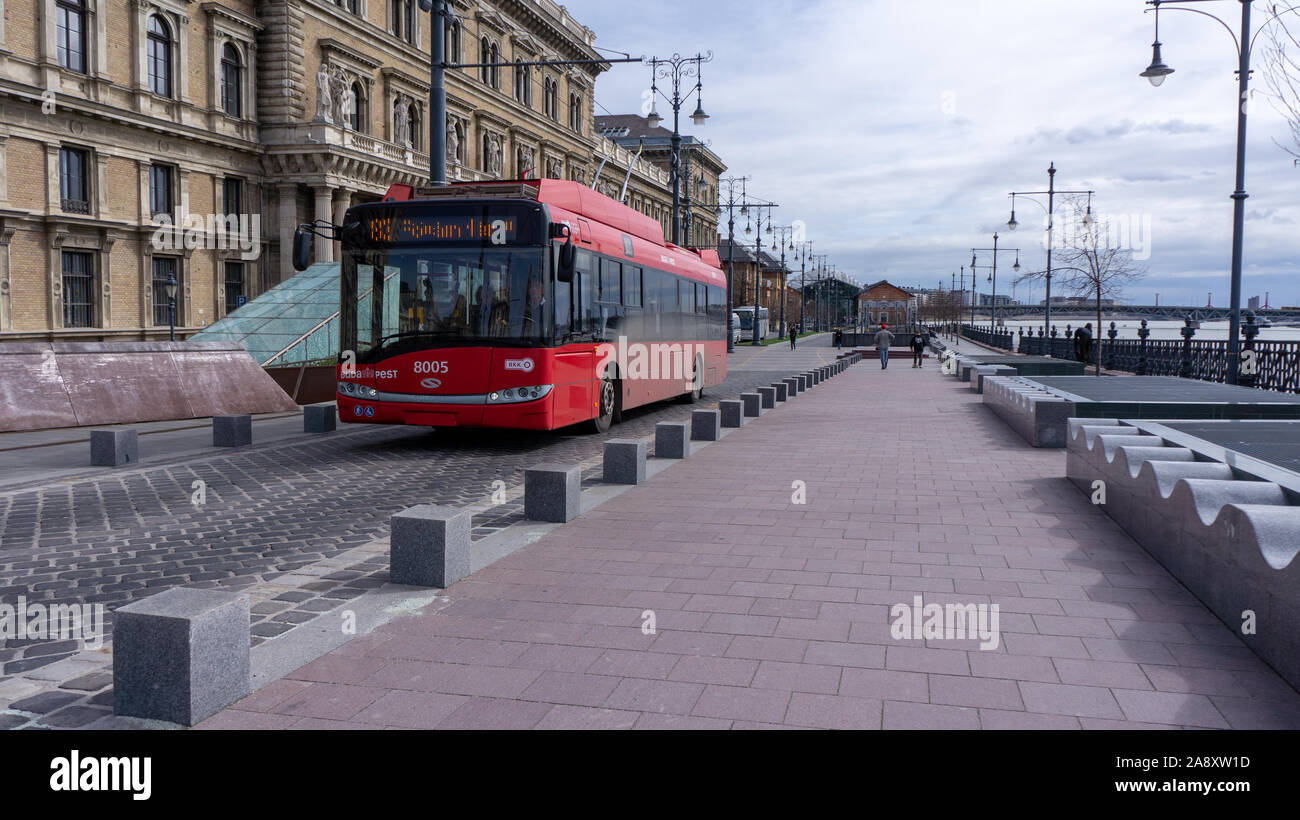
x=324, y=211
x=288, y=221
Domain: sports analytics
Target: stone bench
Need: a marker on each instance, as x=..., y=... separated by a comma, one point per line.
x=672, y=439
x=978, y=374
x=624, y=461
x=232, y=431
x=181, y=655
x=552, y=492
x=1040, y=417
x=319, y=418
x=114, y=448
x=429, y=546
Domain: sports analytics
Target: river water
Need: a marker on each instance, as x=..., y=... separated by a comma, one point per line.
x=1128, y=327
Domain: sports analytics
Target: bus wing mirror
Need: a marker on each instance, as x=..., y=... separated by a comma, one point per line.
x=301, y=248
x=568, y=253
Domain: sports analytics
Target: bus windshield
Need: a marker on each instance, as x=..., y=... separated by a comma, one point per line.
x=408, y=297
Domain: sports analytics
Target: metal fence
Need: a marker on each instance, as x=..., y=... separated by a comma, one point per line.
x=1275, y=364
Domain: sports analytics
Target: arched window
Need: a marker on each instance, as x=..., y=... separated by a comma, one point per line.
x=575, y=112
x=232, y=81
x=401, y=19
x=159, y=57
x=357, y=116
x=413, y=117
x=452, y=44
x=484, y=57
x=550, y=92
x=523, y=83
x=494, y=57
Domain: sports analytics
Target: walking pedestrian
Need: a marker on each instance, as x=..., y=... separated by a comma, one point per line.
x=1083, y=342
x=883, y=340
x=918, y=348
x=793, y=336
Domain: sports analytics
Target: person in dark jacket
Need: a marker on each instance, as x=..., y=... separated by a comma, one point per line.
x=1083, y=342
x=793, y=335
x=918, y=348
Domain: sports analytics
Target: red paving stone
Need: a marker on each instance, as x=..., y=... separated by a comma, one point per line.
x=771, y=614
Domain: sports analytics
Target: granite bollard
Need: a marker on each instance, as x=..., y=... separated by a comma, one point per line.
x=768, y=395
x=733, y=412
x=706, y=425
x=791, y=387
x=672, y=439
x=625, y=461
x=319, y=418
x=753, y=404
x=552, y=492
x=181, y=655
x=782, y=391
x=232, y=431
x=114, y=448
x=429, y=546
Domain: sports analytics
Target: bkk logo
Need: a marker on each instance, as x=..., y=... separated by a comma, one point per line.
x=525, y=365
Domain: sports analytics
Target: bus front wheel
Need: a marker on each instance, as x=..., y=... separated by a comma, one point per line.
x=607, y=406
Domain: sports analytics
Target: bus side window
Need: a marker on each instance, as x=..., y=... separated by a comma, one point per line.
x=563, y=301
x=586, y=317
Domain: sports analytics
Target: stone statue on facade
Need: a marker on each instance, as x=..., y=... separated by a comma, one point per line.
x=526, y=165
x=323, y=94
x=348, y=105
x=338, y=82
x=555, y=168
x=453, y=144
x=401, y=122
x=494, y=155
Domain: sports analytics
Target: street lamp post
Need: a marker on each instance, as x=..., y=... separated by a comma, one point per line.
x=730, y=183
x=1050, y=193
x=993, y=278
x=675, y=69
x=784, y=236
x=758, y=259
x=804, y=254
x=170, y=286
x=1157, y=72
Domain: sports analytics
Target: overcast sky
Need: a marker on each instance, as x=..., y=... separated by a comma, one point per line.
x=895, y=130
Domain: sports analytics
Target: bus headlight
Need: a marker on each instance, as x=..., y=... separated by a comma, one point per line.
x=514, y=395
x=358, y=390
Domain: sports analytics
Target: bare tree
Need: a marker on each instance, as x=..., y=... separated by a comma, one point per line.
x=1282, y=73
x=1093, y=261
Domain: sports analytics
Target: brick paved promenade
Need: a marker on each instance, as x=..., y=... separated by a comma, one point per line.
x=771, y=613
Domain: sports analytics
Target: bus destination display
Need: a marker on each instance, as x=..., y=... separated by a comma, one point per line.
x=499, y=229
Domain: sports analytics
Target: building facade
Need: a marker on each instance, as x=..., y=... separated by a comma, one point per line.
x=152, y=141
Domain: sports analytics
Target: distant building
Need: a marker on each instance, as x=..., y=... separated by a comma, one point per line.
x=882, y=302
x=1078, y=302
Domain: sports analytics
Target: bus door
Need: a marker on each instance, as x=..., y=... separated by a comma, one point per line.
x=575, y=351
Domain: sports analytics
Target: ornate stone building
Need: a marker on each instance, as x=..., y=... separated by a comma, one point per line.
x=143, y=141
x=700, y=171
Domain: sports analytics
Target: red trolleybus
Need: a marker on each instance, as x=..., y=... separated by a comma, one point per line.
x=531, y=304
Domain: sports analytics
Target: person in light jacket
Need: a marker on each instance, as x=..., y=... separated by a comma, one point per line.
x=883, y=340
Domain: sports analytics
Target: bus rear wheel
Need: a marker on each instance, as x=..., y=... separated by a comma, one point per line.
x=607, y=406
x=696, y=393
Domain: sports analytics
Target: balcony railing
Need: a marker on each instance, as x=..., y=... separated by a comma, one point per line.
x=75, y=206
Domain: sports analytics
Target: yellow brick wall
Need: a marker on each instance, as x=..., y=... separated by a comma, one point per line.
x=118, y=37
x=125, y=280
x=21, y=28
x=25, y=162
x=123, y=182
x=27, y=266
